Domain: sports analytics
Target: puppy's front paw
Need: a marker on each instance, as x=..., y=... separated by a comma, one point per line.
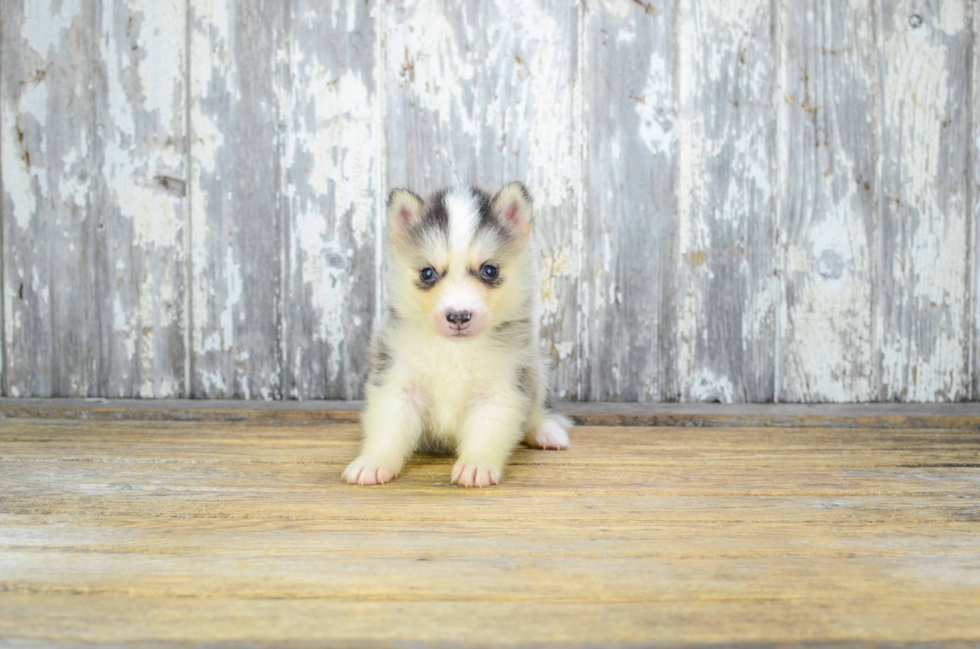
x=549, y=435
x=365, y=471
x=475, y=474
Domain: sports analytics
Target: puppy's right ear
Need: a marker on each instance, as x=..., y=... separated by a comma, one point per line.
x=404, y=211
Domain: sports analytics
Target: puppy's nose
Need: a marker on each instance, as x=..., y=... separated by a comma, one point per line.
x=458, y=318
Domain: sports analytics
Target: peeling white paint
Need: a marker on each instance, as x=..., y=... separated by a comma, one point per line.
x=564, y=349
x=332, y=127
x=555, y=266
x=74, y=186
x=952, y=18
x=141, y=130
x=330, y=170
x=654, y=107
x=544, y=95
x=161, y=47
x=18, y=181
x=152, y=211
x=209, y=58
x=123, y=324
x=434, y=66
x=233, y=294
x=706, y=386
x=932, y=263
x=723, y=189
x=495, y=94
x=43, y=25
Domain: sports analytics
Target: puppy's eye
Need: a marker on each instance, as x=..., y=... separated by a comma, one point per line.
x=427, y=275
x=489, y=271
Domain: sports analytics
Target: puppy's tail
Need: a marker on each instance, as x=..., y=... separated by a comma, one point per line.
x=563, y=421
x=550, y=433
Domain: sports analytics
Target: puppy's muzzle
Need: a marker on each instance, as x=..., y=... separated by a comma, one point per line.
x=459, y=320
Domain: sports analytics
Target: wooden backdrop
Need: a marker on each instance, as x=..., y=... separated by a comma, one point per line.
x=737, y=200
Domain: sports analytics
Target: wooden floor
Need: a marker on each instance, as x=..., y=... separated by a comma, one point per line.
x=206, y=531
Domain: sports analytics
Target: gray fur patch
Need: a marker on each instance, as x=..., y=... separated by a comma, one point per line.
x=488, y=220
x=524, y=381
x=435, y=218
x=516, y=332
x=381, y=362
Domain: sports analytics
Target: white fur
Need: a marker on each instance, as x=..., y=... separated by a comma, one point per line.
x=478, y=395
x=463, y=217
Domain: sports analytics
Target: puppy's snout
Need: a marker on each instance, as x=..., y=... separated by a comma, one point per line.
x=458, y=318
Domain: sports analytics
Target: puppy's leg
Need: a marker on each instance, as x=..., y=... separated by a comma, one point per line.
x=489, y=435
x=392, y=423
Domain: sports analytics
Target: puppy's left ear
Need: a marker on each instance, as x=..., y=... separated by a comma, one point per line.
x=512, y=205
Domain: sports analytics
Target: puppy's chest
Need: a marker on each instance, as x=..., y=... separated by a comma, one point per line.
x=456, y=376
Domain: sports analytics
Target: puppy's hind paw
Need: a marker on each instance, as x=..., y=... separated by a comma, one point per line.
x=549, y=435
x=475, y=474
x=363, y=471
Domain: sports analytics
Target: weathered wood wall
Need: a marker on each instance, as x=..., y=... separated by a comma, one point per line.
x=737, y=200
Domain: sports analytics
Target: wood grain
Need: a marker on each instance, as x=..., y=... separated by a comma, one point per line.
x=827, y=178
x=329, y=198
x=631, y=227
x=236, y=226
x=950, y=416
x=726, y=292
x=141, y=151
x=53, y=229
x=974, y=219
x=736, y=201
x=922, y=290
x=236, y=531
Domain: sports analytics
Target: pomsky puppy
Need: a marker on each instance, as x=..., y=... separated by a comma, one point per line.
x=456, y=364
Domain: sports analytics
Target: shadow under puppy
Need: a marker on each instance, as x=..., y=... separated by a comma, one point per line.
x=456, y=363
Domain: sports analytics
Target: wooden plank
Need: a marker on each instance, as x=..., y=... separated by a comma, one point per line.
x=236, y=148
x=828, y=184
x=891, y=415
x=330, y=198
x=633, y=536
x=51, y=225
x=974, y=221
x=289, y=168
x=630, y=236
x=49, y=618
x=921, y=314
x=140, y=203
x=485, y=93
x=726, y=287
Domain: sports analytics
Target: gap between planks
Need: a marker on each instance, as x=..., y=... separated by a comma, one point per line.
x=952, y=415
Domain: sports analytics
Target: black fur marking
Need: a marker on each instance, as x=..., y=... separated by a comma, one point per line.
x=516, y=332
x=488, y=220
x=525, y=193
x=380, y=363
x=435, y=218
x=512, y=325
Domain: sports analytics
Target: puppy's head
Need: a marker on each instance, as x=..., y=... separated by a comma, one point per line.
x=460, y=259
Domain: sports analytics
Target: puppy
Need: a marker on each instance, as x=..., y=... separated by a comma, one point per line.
x=456, y=364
